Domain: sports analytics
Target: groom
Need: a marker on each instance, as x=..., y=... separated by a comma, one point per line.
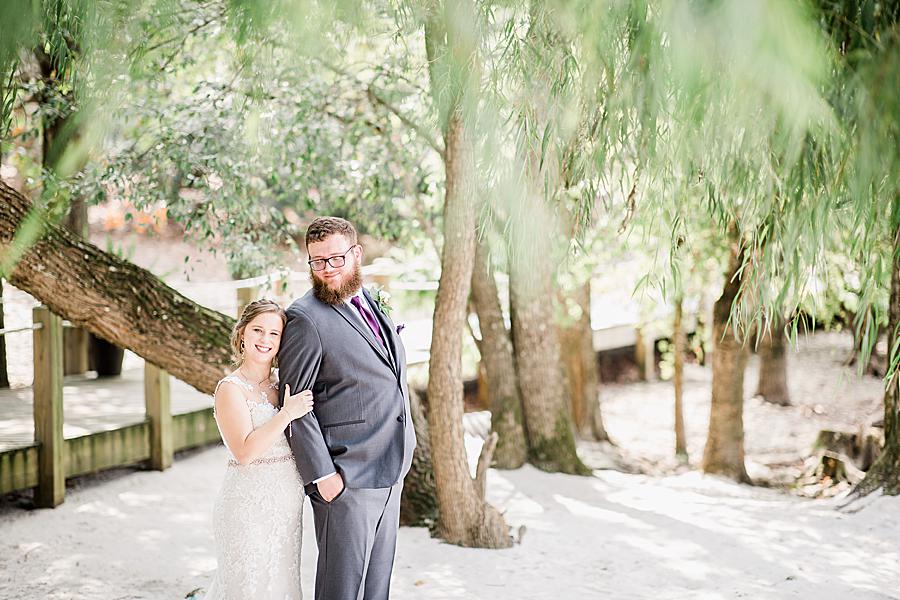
x=356, y=446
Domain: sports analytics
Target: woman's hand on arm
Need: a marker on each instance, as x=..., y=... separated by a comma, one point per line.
x=299, y=404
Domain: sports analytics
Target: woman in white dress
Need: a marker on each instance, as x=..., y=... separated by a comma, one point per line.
x=257, y=514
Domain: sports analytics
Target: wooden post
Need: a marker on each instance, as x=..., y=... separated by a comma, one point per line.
x=75, y=351
x=645, y=354
x=245, y=296
x=159, y=410
x=76, y=340
x=48, y=408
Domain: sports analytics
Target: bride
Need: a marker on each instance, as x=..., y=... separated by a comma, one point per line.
x=257, y=515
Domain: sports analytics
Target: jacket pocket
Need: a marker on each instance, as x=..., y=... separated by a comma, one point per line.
x=342, y=406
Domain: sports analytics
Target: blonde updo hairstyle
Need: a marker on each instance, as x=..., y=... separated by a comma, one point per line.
x=250, y=312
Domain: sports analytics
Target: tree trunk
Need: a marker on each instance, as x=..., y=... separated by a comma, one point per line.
x=499, y=365
x=465, y=518
x=772, y=384
x=115, y=299
x=418, y=503
x=4, y=372
x=548, y=423
x=580, y=363
x=724, y=452
x=885, y=473
x=128, y=305
x=679, y=342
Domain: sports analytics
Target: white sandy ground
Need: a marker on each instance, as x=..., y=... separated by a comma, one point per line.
x=139, y=534
x=148, y=535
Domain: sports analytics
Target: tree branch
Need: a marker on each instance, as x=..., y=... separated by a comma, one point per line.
x=484, y=462
x=376, y=99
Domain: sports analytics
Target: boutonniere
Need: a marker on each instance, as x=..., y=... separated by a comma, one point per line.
x=382, y=299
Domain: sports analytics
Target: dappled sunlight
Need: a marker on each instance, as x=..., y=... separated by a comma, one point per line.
x=135, y=499
x=582, y=509
x=151, y=537
x=102, y=509
x=685, y=558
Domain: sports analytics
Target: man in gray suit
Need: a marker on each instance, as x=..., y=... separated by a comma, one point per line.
x=355, y=447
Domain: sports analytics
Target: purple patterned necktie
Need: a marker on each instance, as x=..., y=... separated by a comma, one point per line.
x=368, y=317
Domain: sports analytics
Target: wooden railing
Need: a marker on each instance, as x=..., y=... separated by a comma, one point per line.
x=46, y=463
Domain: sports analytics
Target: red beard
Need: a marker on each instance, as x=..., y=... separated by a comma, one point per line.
x=346, y=289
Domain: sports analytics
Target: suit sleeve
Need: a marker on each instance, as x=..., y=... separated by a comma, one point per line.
x=299, y=359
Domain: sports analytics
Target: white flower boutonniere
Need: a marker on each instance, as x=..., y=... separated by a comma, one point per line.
x=382, y=299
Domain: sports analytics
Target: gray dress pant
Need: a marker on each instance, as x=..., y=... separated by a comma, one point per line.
x=357, y=538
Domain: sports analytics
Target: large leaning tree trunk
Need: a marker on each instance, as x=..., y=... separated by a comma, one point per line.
x=114, y=299
x=679, y=342
x=724, y=452
x=580, y=363
x=130, y=307
x=885, y=473
x=499, y=365
x=773, y=371
x=465, y=518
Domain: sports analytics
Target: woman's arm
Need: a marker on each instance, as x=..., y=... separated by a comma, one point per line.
x=233, y=416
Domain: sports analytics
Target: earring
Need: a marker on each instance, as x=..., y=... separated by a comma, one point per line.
x=242, y=346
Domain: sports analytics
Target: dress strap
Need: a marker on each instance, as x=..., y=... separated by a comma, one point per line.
x=231, y=379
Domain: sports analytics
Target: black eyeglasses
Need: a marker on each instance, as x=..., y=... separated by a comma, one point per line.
x=336, y=261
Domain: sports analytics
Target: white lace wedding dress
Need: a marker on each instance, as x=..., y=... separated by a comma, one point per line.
x=257, y=519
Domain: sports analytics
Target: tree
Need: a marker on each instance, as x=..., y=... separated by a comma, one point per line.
x=465, y=518
x=580, y=362
x=497, y=357
x=534, y=252
x=867, y=35
x=724, y=452
x=679, y=347
x=773, y=365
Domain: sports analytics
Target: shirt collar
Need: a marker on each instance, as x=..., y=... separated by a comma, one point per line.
x=359, y=294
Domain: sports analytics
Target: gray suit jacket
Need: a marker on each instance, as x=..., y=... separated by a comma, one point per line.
x=360, y=425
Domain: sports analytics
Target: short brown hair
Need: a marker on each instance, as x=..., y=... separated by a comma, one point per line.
x=250, y=312
x=323, y=227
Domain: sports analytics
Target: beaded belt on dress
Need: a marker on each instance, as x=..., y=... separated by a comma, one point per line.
x=263, y=461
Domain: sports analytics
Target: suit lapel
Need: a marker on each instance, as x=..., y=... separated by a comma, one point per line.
x=355, y=321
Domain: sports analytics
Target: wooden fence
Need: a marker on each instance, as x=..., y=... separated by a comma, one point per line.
x=51, y=459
